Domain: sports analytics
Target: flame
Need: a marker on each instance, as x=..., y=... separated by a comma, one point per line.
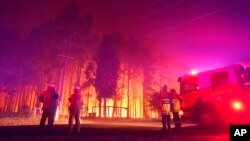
x=129, y=97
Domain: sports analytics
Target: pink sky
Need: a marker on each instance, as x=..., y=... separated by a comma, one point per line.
x=181, y=34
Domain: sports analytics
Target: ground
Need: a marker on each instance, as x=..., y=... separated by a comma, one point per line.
x=107, y=130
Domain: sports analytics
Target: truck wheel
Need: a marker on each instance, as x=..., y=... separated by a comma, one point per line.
x=206, y=118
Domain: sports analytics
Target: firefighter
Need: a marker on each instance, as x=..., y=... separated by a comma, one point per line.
x=165, y=107
x=49, y=98
x=74, y=109
x=176, y=107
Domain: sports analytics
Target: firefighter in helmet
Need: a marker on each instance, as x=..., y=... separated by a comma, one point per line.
x=75, y=101
x=49, y=98
x=176, y=107
x=165, y=107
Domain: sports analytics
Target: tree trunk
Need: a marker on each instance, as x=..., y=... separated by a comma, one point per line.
x=105, y=106
x=128, y=105
x=122, y=91
x=144, y=101
x=20, y=100
x=141, y=107
x=134, y=100
x=12, y=103
x=100, y=106
x=2, y=101
x=114, y=113
x=6, y=103
x=79, y=72
x=88, y=100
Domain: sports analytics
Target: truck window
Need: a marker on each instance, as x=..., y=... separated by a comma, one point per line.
x=190, y=87
x=189, y=84
x=219, y=79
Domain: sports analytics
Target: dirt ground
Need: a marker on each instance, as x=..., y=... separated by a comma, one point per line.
x=109, y=130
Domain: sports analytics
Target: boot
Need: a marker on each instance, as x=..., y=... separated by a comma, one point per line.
x=163, y=128
x=178, y=125
x=169, y=127
x=71, y=129
x=78, y=128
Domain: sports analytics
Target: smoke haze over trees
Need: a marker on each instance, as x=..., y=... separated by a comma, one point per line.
x=65, y=51
x=148, y=44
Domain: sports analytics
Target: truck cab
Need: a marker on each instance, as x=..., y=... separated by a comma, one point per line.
x=217, y=96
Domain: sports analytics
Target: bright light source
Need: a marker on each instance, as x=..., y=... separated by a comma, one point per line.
x=193, y=72
x=197, y=87
x=57, y=113
x=180, y=112
x=237, y=105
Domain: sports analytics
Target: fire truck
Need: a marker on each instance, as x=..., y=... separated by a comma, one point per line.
x=217, y=96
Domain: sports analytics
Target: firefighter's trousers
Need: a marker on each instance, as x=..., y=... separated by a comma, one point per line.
x=177, y=119
x=77, y=122
x=166, y=120
x=50, y=115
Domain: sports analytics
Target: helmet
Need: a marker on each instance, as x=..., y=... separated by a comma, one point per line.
x=77, y=87
x=165, y=87
x=52, y=85
x=173, y=91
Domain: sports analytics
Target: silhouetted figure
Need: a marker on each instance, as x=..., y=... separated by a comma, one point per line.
x=176, y=107
x=165, y=106
x=49, y=98
x=74, y=109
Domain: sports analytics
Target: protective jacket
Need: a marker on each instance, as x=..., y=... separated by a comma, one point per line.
x=75, y=103
x=49, y=98
x=176, y=102
x=165, y=103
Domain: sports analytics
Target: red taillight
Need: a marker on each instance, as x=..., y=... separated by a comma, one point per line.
x=237, y=105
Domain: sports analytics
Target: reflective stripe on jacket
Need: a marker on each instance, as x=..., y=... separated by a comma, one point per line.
x=166, y=107
x=176, y=105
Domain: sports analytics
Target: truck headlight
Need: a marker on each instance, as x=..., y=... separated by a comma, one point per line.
x=237, y=105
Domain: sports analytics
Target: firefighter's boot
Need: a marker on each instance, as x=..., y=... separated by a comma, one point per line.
x=178, y=125
x=169, y=127
x=71, y=129
x=163, y=128
x=78, y=128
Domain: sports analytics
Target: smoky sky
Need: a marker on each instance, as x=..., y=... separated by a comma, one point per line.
x=181, y=34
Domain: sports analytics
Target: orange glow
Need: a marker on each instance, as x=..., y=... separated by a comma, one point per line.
x=128, y=101
x=237, y=105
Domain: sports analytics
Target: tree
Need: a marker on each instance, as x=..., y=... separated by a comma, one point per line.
x=132, y=57
x=149, y=82
x=35, y=60
x=108, y=66
x=154, y=101
x=90, y=78
x=69, y=34
x=11, y=68
x=75, y=31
